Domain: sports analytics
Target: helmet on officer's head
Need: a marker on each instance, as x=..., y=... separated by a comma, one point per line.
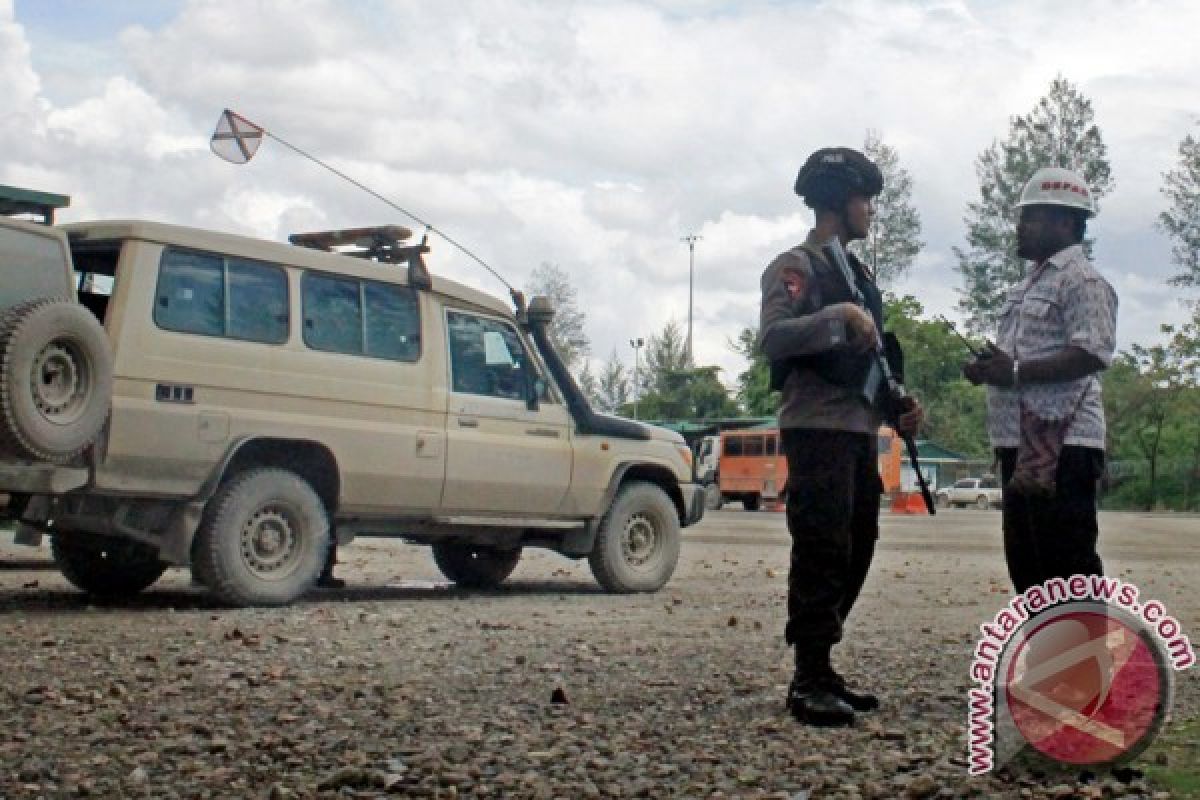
x=1055, y=186
x=832, y=174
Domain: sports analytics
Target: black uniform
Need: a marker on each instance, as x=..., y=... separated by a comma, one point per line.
x=829, y=437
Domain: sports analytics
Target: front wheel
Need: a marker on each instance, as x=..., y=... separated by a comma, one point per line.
x=475, y=566
x=263, y=540
x=752, y=502
x=637, y=546
x=105, y=565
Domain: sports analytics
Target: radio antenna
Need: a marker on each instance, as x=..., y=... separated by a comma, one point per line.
x=236, y=140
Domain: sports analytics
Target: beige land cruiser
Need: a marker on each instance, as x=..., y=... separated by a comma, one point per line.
x=172, y=396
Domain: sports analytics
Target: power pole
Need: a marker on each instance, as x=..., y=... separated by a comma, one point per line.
x=691, y=240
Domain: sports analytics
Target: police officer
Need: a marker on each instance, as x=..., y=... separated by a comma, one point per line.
x=821, y=345
x=1057, y=331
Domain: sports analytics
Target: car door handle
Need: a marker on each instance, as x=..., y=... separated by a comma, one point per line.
x=468, y=422
x=549, y=433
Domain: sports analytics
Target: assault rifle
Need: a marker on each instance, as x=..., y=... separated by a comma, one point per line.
x=879, y=376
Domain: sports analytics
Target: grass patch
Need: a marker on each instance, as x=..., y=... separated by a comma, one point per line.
x=1179, y=744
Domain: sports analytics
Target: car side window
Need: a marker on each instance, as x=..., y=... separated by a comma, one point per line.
x=366, y=318
x=487, y=357
x=212, y=295
x=733, y=446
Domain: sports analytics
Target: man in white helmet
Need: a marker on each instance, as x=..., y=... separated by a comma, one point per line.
x=1057, y=331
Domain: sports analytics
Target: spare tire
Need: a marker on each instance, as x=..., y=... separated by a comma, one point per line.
x=55, y=380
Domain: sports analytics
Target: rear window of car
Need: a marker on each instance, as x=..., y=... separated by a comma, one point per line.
x=215, y=295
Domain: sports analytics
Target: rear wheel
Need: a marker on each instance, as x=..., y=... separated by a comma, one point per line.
x=105, y=565
x=263, y=540
x=637, y=545
x=752, y=502
x=475, y=566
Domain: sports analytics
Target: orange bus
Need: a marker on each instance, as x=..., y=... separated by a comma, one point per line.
x=753, y=469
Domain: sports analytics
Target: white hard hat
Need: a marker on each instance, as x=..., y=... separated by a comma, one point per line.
x=1055, y=186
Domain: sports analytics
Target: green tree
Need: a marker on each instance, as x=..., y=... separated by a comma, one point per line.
x=1151, y=398
x=666, y=354
x=589, y=385
x=614, y=385
x=955, y=411
x=671, y=389
x=566, y=329
x=1181, y=221
x=894, y=241
x=1058, y=132
x=754, y=393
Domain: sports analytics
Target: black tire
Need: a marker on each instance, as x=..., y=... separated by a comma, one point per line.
x=55, y=380
x=982, y=502
x=752, y=502
x=263, y=539
x=712, y=497
x=475, y=566
x=637, y=545
x=106, y=566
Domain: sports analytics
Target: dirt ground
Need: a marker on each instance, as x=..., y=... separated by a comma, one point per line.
x=400, y=685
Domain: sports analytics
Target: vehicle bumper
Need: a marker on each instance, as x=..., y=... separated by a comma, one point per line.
x=693, y=503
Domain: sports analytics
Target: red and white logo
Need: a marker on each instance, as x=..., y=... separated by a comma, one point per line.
x=1085, y=684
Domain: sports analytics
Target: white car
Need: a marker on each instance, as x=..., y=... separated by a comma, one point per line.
x=982, y=493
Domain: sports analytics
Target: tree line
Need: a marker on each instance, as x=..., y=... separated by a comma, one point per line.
x=1151, y=392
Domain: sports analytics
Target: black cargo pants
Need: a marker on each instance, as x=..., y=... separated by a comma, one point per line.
x=833, y=490
x=1052, y=537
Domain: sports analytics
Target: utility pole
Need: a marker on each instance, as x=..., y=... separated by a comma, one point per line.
x=637, y=345
x=691, y=240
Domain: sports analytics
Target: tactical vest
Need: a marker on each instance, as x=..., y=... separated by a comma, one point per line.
x=840, y=367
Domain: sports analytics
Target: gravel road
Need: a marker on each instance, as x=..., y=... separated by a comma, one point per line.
x=548, y=688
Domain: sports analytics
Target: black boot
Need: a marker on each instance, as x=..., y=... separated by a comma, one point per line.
x=859, y=701
x=809, y=697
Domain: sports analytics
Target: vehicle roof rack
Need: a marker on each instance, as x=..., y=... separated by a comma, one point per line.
x=383, y=243
x=14, y=201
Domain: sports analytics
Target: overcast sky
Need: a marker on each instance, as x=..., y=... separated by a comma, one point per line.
x=591, y=135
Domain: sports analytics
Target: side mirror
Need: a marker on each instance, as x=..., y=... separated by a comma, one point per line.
x=537, y=388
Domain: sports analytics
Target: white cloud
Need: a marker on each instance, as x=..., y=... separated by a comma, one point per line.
x=594, y=135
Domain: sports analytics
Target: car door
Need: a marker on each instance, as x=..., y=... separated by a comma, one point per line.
x=502, y=456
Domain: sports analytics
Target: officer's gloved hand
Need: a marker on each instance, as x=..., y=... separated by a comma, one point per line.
x=860, y=327
x=911, y=415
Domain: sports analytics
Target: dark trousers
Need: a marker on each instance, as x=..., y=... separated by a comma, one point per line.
x=833, y=490
x=1052, y=537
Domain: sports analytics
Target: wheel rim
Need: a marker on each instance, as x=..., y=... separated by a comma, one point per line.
x=270, y=543
x=60, y=382
x=640, y=541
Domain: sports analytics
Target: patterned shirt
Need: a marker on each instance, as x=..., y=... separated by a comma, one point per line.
x=1062, y=303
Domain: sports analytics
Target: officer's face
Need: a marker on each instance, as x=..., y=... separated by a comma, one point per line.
x=859, y=212
x=1040, y=233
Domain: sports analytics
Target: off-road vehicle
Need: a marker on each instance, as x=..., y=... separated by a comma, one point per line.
x=172, y=396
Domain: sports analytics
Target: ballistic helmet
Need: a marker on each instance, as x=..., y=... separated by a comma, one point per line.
x=1055, y=186
x=832, y=174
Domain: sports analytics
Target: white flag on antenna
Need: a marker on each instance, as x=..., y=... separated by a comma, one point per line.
x=236, y=138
